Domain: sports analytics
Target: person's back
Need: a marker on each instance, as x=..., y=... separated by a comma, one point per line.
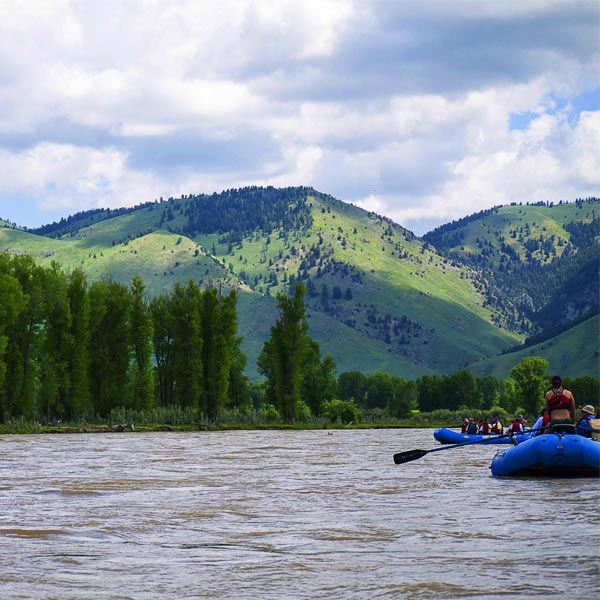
x=472, y=428
x=542, y=421
x=560, y=403
x=516, y=426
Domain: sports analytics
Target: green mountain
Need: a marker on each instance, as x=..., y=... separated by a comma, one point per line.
x=573, y=353
x=380, y=299
x=539, y=261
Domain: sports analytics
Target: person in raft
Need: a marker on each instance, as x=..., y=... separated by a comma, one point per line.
x=465, y=425
x=584, y=427
x=516, y=425
x=484, y=426
x=496, y=426
x=560, y=404
x=539, y=426
x=472, y=428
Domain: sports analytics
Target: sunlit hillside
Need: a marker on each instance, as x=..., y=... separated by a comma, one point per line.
x=379, y=298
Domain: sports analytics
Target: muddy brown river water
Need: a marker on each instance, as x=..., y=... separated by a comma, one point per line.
x=285, y=514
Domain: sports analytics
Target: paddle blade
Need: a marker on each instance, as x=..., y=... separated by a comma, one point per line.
x=403, y=457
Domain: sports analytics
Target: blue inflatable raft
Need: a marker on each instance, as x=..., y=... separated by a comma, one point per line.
x=449, y=436
x=549, y=455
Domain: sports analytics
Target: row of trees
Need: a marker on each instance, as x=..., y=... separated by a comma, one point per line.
x=71, y=350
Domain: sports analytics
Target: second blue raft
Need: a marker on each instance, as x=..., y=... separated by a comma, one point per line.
x=449, y=436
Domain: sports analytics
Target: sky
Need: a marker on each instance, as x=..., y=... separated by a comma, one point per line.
x=424, y=111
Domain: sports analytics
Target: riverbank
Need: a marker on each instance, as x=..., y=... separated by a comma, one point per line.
x=132, y=428
x=170, y=420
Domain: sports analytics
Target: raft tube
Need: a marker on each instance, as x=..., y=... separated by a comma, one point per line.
x=549, y=455
x=449, y=436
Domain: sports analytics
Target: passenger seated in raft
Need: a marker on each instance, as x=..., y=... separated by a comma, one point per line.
x=541, y=424
x=496, y=426
x=472, y=428
x=516, y=425
x=560, y=404
x=464, y=425
x=484, y=426
x=585, y=427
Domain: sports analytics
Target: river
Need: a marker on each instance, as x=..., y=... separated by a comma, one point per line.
x=285, y=514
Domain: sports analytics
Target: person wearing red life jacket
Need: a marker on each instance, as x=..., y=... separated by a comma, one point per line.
x=540, y=425
x=516, y=426
x=560, y=403
x=496, y=426
x=484, y=426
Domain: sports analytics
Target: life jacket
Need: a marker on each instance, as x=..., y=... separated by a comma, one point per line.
x=558, y=401
x=516, y=426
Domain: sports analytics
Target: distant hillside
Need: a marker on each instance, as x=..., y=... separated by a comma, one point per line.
x=540, y=261
x=573, y=353
x=379, y=298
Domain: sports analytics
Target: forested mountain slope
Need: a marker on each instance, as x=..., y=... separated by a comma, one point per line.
x=379, y=298
x=540, y=261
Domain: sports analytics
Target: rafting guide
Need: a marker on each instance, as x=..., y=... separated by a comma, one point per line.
x=560, y=404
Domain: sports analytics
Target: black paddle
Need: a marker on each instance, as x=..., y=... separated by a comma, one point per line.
x=404, y=457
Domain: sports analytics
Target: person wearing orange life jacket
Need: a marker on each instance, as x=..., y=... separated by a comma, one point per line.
x=560, y=403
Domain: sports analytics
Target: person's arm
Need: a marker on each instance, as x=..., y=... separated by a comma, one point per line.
x=573, y=408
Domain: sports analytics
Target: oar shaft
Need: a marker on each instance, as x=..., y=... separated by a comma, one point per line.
x=409, y=455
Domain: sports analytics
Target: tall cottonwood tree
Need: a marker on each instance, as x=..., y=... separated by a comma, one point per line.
x=318, y=382
x=78, y=399
x=218, y=330
x=283, y=355
x=531, y=378
x=142, y=392
x=23, y=339
x=186, y=356
x=56, y=345
x=110, y=349
x=11, y=304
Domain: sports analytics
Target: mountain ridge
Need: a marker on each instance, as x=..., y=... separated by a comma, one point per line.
x=379, y=297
